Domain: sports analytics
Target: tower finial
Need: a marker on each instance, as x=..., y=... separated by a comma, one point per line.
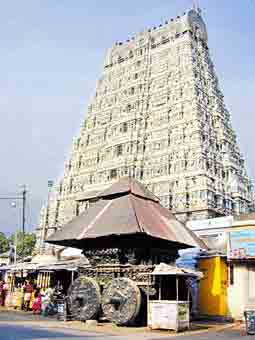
x=196, y=6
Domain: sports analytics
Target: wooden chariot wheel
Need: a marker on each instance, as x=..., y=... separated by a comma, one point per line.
x=84, y=298
x=121, y=301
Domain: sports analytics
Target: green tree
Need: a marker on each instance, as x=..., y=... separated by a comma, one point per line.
x=4, y=243
x=29, y=243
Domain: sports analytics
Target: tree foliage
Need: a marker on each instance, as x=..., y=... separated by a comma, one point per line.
x=29, y=243
x=16, y=239
x=4, y=243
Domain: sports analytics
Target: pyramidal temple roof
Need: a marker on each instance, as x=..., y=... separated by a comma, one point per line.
x=128, y=185
x=125, y=212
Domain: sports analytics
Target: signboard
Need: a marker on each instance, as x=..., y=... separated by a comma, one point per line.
x=250, y=321
x=163, y=316
x=213, y=223
x=183, y=312
x=61, y=308
x=241, y=244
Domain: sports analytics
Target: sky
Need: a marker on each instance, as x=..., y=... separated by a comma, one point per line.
x=51, y=54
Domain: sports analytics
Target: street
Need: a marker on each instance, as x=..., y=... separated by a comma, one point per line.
x=21, y=326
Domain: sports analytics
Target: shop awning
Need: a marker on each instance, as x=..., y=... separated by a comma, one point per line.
x=59, y=265
x=20, y=266
x=166, y=269
x=64, y=265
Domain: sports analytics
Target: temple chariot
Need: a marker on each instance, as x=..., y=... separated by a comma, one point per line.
x=124, y=235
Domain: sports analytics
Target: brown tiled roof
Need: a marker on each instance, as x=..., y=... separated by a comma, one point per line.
x=129, y=185
x=126, y=210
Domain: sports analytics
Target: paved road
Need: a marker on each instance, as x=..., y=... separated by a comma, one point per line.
x=20, y=326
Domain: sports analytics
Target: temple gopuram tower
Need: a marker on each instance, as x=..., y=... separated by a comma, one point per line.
x=158, y=115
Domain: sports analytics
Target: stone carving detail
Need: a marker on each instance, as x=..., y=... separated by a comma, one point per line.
x=158, y=114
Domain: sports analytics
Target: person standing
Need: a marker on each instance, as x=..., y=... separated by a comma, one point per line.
x=27, y=296
x=47, y=301
x=3, y=292
x=37, y=304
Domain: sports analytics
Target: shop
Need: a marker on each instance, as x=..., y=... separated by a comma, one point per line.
x=241, y=261
x=213, y=287
x=228, y=286
x=171, y=309
x=59, y=275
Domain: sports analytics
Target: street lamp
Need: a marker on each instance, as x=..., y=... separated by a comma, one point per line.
x=22, y=197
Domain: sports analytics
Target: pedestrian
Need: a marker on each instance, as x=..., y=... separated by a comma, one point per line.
x=50, y=292
x=37, y=303
x=22, y=294
x=3, y=290
x=47, y=301
x=27, y=295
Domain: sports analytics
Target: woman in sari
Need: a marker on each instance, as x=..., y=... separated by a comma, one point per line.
x=37, y=304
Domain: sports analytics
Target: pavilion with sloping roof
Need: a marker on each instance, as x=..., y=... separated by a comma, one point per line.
x=127, y=215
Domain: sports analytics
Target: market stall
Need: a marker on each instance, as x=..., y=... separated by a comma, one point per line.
x=59, y=274
x=15, y=276
x=171, y=309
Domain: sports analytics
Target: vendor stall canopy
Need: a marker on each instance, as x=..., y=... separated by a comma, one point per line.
x=127, y=215
x=166, y=269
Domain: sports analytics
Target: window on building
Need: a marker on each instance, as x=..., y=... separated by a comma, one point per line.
x=119, y=150
x=77, y=209
x=170, y=201
x=90, y=179
x=231, y=274
x=136, y=75
x=60, y=188
x=80, y=162
x=141, y=42
x=132, y=90
x=88, y=140
x=187, y=200
x=113, y=173
x=71, y=185
x=125, y=127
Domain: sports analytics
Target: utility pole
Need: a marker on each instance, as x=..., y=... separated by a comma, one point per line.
x=24, y=193
x=23, y=226
x=15, y=248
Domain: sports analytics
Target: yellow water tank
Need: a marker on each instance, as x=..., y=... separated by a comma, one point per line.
x=213, y=286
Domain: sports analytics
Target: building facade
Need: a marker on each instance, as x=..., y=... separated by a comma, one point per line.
x=157, y=114
x=234, y=238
